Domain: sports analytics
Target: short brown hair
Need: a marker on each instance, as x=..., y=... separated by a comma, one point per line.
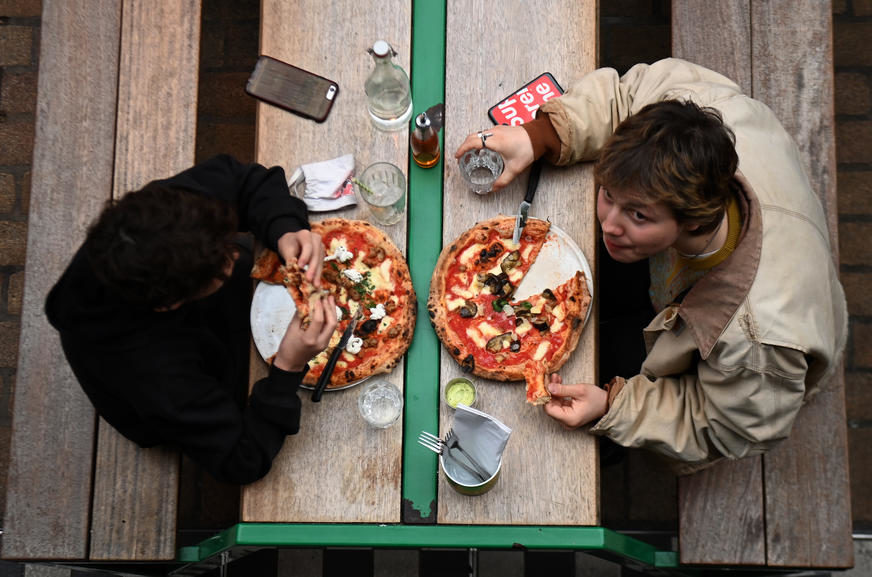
x=677, y=153
x=159, y=246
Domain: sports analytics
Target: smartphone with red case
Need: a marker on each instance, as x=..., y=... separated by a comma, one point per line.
x=292, y=88
x=521, y=106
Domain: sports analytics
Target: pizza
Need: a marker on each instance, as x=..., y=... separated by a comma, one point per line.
x=363, y=270
x=490, y=333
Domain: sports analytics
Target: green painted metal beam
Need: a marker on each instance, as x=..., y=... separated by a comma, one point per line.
x=424, y=243
x=594, y=539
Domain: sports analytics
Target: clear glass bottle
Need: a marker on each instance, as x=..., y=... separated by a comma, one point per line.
x=388, y=94
x=424, y=142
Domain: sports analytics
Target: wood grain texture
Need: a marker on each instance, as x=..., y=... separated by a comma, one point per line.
x=808, y=510
x=550, y=476
x=136, y=490
x=53, y=422
x=720, y=515
x=719, y=37
x=793, y=75
x=716, y=35
x=336, y=469
x=807, y=495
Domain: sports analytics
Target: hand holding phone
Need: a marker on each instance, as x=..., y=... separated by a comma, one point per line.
x=294, y=89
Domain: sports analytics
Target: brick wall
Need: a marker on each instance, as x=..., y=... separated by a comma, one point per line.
x=852, y=24
x=19, y=50
x=226, y=124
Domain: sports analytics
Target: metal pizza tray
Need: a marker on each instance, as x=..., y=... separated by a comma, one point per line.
x=557, y=262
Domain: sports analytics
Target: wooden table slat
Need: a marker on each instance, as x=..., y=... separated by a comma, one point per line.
x=550, y=476
x=336, y=469
x=136, y=490
x=53, y=421
x=808, y=505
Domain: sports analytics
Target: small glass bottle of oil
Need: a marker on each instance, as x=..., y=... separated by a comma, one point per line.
x=424, y=142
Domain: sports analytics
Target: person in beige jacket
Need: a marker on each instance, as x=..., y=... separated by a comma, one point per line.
x=704, y=183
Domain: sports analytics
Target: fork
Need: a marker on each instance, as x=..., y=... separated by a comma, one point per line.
x=452, y=443
x=436, y=445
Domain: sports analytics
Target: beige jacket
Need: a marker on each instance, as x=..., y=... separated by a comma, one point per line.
x=729, y=368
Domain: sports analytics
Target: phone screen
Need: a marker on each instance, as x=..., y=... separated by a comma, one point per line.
x=521, y=106
x=292, y=88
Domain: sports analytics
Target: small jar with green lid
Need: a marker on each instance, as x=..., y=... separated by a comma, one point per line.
x=459, y=390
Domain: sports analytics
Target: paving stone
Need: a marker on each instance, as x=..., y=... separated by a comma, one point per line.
x=858, y=396
x=860, y=456
x=854, y=140
x=855, y=192
x=851, y=43
x=18, y=92
x=13, y=242
x=7, y=192
x=854, y=245
x=861, y=355
x=16, y=141
x=16, y=45
x=852, y=93
x=20, y=8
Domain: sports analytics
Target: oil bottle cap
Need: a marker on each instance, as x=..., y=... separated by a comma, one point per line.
x=422, y=120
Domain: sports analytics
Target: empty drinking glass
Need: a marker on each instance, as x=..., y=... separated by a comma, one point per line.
x=380, y=404
x=382, y=186
x=480, y=169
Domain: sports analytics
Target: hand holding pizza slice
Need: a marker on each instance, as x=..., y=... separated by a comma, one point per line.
x=363, y=270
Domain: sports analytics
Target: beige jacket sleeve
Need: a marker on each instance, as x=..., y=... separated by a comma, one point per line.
x=587, y=115
x=739, y=401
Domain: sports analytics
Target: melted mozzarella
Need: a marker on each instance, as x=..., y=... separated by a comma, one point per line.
x=476, y=337
x=541, y=350
x=488, y=330
x=470, y=252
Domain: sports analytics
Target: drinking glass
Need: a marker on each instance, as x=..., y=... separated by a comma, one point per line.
x=382, y=186
x=481, y=168
x=380, y=404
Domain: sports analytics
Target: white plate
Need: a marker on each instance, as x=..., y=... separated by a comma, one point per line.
x=557, y=262
x=272, y=309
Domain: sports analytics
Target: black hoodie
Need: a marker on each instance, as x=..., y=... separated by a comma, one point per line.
x=180, y=377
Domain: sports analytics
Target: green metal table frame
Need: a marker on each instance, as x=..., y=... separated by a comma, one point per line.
x=418, y=529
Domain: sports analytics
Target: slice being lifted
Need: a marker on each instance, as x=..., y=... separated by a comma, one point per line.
x=489, y=333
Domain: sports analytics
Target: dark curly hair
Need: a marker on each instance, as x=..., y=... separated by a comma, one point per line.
x=677, y=153
x=159, y=246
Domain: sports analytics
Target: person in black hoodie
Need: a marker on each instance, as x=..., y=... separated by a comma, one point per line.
x=153, y=315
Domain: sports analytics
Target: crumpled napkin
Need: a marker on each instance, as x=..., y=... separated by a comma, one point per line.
x=325, y=185
x=482, y=436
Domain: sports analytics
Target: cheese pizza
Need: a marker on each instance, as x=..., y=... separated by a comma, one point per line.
x=491, y=334
x=363, y=270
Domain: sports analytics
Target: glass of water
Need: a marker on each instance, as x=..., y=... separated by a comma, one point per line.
x=481, y=168
x=380, y=404
x=382, y=186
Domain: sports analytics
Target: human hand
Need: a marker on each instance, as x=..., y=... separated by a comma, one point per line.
x=299, y=345
x=575, y=405
x=306, y=247
x=512, y=142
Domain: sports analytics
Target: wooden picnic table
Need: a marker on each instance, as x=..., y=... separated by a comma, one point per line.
x=336, y=469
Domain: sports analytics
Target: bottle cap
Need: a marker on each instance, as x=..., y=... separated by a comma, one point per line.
x=422, y=121
x=381, y=48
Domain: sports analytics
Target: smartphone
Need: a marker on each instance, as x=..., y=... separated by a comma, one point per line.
x=294, y=89
x=521, y=106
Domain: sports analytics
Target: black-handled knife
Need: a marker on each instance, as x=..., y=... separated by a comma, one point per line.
x=524, y=209
x=324, y=379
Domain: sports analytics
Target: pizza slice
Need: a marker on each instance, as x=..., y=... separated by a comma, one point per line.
x=535, y=375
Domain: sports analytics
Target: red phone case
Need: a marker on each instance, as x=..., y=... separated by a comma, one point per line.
x=521, y=106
